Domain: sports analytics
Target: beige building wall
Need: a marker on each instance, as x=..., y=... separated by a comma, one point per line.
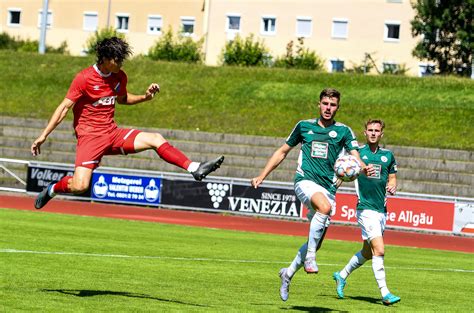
x=365, y=21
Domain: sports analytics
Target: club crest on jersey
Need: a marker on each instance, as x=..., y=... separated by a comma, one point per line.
x=332, y=134
x=384, y=158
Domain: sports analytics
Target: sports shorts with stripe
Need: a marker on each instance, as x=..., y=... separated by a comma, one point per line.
x=91, y=148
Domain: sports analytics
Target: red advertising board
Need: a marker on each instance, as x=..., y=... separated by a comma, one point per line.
x=402, y=212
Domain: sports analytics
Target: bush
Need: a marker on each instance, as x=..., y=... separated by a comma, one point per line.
x=302, y=59
x=181, y=48
x=17, y=44
x=100, y=35
x=246, y=52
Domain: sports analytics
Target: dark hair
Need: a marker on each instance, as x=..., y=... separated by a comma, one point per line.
x=374, y=121
x=330, y=93
x=112, y=48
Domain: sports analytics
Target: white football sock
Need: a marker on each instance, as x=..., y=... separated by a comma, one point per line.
x=379, y=272
x=193, y=166
x=316, y=230
x=355, y=262
x=298, y=261
x=51, y=191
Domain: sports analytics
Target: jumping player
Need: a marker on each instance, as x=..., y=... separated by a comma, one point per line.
x=92, y=96
x=372, y=210
x=322, y=141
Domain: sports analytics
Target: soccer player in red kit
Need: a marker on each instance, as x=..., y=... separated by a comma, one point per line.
x=92, y=97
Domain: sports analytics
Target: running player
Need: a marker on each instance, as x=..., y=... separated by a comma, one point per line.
x=92, y=96
x=322, y=141
x=372, y=210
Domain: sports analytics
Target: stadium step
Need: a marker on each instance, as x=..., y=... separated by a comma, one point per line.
x=421, y=170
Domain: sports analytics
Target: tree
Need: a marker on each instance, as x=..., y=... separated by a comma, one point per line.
x=447, y=31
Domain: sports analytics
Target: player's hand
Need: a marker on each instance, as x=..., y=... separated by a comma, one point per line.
x=369, y=170
x=391, y=189
x=35, y=147
x=151, y=91
x=256, y=181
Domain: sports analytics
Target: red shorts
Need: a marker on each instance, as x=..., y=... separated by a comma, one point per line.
x=91, y=148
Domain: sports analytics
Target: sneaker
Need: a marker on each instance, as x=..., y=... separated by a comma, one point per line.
x=310, y=266
x=340, y=284
x=390, y=299
x=43, y=197
x=207, y=167
x=285, y=284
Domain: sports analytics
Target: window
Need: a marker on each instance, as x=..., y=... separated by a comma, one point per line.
x=187, y=25
x=339, y=28
x=155, y=23
x=232, y=26
x=14, y=17
x=304, y=26
x=122, y=23
x=268, y=26
x=392, y=31
x=49, y=18
x=90, y=21
x=390, y=67
x=426, y=69
x=337, y=65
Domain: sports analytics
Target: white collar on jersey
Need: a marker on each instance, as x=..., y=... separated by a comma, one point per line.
x=96, y=68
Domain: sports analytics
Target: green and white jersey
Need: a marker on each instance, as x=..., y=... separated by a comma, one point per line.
x=371, y=190
x=320, y=148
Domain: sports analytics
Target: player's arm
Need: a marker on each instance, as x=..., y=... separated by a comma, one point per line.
x=134, y=99
x=367, y=169
x=278, y=156
x=56, y=119
x=392, y=184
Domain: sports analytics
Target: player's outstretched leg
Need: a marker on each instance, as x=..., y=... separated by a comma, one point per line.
x=390, y=299
x=207, y=167
x=340, y=284
x=43, y=197
x=285, y=284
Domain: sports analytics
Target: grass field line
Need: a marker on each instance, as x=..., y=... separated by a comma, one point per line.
x=211, y=260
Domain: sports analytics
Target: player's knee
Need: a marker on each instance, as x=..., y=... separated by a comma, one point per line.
x=79, y=187
x=323, y=208
x=158, y=139
x=379, y=252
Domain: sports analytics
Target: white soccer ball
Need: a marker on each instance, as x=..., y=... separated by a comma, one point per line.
x=347, y=168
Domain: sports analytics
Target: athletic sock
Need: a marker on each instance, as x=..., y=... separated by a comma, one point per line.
x=379, y=272
x=355, y=262
x=173, y=156
x=193, y=166
x=316, y=230
x=298, y=261
x=61, y=186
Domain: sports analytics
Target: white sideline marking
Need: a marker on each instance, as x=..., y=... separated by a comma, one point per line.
x=124, y=256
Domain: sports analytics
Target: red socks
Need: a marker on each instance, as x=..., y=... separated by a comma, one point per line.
x=61, y=186
x=172, y=155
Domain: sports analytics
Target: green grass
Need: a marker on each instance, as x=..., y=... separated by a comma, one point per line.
x=200, y=269
x=429, y=112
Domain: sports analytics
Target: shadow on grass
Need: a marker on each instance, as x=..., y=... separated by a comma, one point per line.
x=92, y=293
x=365, y=299
x=312, y=309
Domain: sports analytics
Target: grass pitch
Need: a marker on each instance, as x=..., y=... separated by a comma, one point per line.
x=63, y=263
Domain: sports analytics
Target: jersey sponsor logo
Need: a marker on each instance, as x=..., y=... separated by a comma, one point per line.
x=319, y=149
x=384, y=159
x=354, y=144
x=105, y=101
x=333, y=134
x=378, y=171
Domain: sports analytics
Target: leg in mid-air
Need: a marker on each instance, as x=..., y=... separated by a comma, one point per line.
x=287, y=273
x=76, y=184
x=144, y=141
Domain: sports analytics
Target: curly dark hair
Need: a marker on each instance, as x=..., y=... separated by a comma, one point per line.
x=112, y=48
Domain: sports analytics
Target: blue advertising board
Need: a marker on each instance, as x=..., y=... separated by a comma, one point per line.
x=126, y=188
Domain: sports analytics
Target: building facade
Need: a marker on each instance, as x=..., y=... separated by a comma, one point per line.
x=345, y=33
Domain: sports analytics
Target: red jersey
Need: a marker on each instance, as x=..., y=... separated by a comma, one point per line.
x=94, y=94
